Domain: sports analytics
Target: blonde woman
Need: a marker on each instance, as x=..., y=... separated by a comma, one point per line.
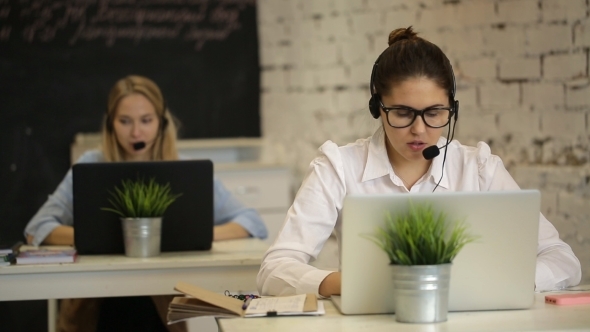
x=137, y=127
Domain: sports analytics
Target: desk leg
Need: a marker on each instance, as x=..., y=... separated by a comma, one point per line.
x=51, y=315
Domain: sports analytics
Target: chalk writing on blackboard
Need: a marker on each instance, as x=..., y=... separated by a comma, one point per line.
x=111, y=21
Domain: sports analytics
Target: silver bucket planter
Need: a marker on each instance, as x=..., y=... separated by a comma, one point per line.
x=142, y=236
x=421, y=292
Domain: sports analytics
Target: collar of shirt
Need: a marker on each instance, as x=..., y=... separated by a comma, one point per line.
x=378, y=164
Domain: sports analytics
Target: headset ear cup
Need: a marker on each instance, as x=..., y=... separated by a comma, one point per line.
x=164, y=123
x=374, y=107
x=456, y=110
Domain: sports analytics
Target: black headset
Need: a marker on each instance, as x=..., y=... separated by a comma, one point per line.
x=374, y=108
x=374, y=102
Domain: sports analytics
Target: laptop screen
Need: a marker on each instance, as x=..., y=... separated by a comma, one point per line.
x=497, y=271
x=187, y=224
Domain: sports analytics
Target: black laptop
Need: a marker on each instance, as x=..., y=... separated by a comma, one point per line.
x=187, y=224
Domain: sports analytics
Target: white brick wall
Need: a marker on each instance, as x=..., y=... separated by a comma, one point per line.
x=519, y=11
x=475, y=13
x=469, y=98
x=477, y=69
x=507, y=41
x=545, y=38
x=543, y=95
x=578, y=94
x=563, y=124
x=478, y=124
x=520, y=123
x=582, y=33
x=523, y=84
x=565, y=66
x=563, y=10
x=499, y=96
x=520, y=68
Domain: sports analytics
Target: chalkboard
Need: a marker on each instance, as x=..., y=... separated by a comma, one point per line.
x=58, y=60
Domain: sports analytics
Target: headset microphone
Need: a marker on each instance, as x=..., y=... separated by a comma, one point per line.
x=138, y=146
x=431, y=152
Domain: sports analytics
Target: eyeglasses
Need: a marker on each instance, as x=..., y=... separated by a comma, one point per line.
x=403, y=116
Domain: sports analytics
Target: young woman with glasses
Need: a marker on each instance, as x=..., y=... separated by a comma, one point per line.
x=413, y=94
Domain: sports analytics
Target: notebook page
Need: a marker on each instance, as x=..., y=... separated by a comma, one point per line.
x=279, y=304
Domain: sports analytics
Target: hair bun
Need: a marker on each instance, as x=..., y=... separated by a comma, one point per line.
x=401, y=34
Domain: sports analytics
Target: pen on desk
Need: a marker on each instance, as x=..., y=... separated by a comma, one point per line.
x=246, y=303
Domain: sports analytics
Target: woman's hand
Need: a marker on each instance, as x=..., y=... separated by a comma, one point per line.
x=61, y=235
x=331, y=285
x=229, y=231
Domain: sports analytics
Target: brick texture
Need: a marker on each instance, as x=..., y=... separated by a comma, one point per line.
x=522, y=75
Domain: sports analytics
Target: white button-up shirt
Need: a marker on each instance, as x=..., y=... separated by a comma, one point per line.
x=364, y=168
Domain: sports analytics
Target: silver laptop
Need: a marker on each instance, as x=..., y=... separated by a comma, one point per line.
x=495, y=272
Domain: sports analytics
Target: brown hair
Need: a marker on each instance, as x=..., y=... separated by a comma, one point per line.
x=411, y=56
x=164, y=147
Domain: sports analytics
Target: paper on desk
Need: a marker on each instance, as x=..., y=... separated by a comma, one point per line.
x=319, y=312
x=278, y=304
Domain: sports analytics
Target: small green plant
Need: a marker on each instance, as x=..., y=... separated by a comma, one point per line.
x=141, y=199
x=421, y=237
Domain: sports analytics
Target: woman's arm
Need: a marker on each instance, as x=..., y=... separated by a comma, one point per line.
x=60, y=235
x=331, y=285
x=238, y=220
x=557, y=265
x=285, y=269
x=229, y=231
x=55, y=213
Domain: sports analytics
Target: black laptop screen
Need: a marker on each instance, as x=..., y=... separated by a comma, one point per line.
x=186, y=225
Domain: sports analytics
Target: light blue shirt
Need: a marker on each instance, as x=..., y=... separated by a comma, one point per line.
x=58, y=209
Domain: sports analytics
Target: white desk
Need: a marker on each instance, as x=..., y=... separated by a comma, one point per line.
x=230, y=265
x=542, y=317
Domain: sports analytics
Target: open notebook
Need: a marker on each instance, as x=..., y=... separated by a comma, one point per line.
x=495, y=272
x=200, y=302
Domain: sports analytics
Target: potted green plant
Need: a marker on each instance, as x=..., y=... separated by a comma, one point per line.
x=141, y=205
x=421, y=245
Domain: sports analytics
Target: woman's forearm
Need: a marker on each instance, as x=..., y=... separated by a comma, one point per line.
x=229, y=231
x=331, y=285
x=61, y=235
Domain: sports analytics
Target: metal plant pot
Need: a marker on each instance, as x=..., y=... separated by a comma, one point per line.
x=142, y=236
x=421, y=292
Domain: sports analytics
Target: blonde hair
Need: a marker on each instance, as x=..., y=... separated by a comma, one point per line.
x=164, y=147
